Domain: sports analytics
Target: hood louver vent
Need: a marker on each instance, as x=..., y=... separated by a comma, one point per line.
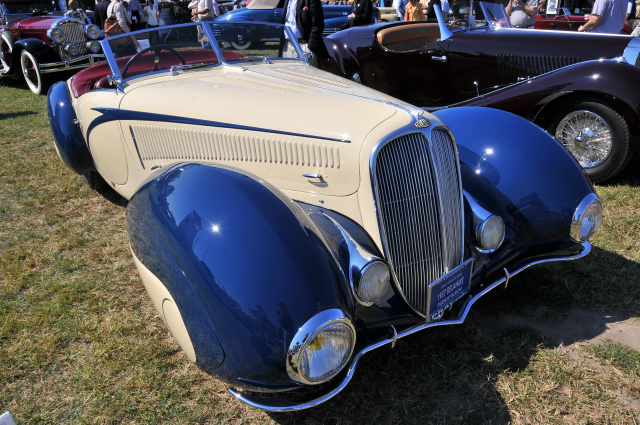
x=511, y=66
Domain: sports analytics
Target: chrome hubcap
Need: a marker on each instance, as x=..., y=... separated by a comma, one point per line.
x=587, y=136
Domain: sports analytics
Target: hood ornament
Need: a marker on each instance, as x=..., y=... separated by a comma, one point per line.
x=423, y=123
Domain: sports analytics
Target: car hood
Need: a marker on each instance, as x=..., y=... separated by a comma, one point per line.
x=296, y=115
x=36, y=22
x=286, y=98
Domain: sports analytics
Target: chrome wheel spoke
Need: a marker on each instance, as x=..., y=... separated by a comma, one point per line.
x=587, y=136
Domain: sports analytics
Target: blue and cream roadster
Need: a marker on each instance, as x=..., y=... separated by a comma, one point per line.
x=280, y=241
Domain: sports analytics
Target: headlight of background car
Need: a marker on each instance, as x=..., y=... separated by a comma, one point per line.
x=93, y=46
x=321, y=348
x=56, y=35
x=92, y=31
x=72, y=49
x=373, y=282
x=490, y=233
x=587, y=218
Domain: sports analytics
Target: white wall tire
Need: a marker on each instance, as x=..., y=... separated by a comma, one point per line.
x=31, y=72
x=240, y=45
x=7, y=51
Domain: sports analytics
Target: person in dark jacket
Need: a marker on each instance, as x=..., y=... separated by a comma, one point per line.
x=305, y=19
x=100, y=13
x=361, y=12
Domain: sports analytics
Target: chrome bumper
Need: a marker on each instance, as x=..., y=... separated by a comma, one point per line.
x=75, y=63
x=279, y=405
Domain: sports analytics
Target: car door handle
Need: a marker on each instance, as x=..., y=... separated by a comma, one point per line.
x=442, y=59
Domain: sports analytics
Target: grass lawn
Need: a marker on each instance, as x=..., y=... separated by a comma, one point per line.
x=80, y=341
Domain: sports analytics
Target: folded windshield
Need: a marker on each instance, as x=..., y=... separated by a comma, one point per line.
x=190, y=46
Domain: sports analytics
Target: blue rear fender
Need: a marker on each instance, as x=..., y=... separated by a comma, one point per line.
x=245, y=265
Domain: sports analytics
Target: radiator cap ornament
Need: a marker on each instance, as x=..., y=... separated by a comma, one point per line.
x=423, y=123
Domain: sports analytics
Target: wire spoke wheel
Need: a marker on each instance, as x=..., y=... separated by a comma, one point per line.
x=587, y=136
x=594, y=132
x=6, y=50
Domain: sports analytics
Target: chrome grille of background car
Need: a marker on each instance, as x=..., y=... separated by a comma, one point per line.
x=529, y=66
x=73, y=32
x=330, y=31
x=420, y=210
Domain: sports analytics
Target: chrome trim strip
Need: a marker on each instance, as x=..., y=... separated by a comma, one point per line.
x=359, y=260
x=281, y=405
x=66, y=65
x=507, y=276
x=135, y=143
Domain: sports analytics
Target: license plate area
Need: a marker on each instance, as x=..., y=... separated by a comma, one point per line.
x=448, y=289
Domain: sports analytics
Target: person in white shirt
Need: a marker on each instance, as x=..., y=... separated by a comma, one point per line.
x=203, y=10
x=116, y=10
x=152, y=14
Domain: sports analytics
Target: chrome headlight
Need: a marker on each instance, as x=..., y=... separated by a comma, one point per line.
x=93, y=46
x=321, y=348
x=72, y=49
x=587, y=218
x=56, y=35
x=490, y=233
x=373, y=282
x=92, y=31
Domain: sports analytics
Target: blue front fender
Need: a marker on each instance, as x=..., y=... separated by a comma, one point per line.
x=252, y=267
x=68, y=138
x=517, y=170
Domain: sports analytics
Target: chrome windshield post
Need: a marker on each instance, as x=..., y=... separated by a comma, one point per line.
x=208, y=30
x=445, y=32
x=116, y=76
x=294, y=43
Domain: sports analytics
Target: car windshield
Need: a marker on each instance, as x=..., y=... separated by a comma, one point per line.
x=474, y=14
x=188, y=46
x=32, y=7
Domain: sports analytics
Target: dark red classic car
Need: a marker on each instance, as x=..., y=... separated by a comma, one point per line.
x=582, y=88
x=564, y=20
x=38, y=39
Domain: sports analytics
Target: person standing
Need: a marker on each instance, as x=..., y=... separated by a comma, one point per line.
x=305, y=20
x=203, y=10
x=116, y=11
x=607, y=17
x=101, y=13
x=361, y=13
x=152, y=14
x=414, y=12
x=523, y=13
x=401, y=7
x=135, y=9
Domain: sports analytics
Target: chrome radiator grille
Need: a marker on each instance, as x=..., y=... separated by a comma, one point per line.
x=72, y=33
x=420, y=210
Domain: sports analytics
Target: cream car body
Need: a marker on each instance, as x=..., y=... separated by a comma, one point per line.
x=286, y=221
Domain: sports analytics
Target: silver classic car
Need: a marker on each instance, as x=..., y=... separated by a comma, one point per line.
x=280, y=241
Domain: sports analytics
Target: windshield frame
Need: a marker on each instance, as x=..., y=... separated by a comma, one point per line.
x=206, y=26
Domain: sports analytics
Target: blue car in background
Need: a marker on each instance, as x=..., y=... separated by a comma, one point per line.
x=335, y=19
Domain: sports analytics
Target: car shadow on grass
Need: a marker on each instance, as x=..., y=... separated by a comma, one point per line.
x=448, y=375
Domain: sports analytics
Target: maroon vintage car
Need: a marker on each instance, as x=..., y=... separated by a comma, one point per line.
x=581, y=87
x=38, y=39
x=564, y=20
